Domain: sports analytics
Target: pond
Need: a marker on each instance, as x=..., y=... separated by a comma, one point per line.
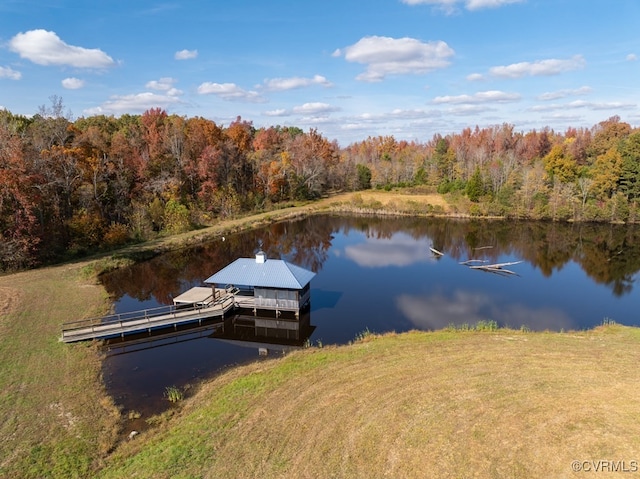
x=380, y=275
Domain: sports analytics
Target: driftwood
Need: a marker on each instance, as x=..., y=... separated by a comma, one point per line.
x=470, y=261
x=483, y=247
x=497, y=268
x=436, y=252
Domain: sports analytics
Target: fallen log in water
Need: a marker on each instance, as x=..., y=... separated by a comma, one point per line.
x=496, y=265
x=497, y=268
x=500, y=271
x=470, y=261
x=436, y=252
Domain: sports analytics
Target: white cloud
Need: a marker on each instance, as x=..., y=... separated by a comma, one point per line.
x=134, y=103
x=6, y=72
x=164, y=84
x=632, y=57
x=491, y=96
x=476, y=77
x=409, y=114
x=229, y=92
x=540, y=68
x=278, y=112
x=314, y=108
x=468, y=110
x=478, y=4
x=72, y=83
x=46, y=48
x=186, y=54
x=555, y=95
x=449, y=5
x=282, y=84
x=396, y=56
x=584, y=104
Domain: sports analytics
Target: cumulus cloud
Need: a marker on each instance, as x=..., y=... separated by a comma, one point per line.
x=6, y=72
x=134, y=103
x=491, y=96
x=476, y=77
x=478, y=4
x=314, y=108
x=555, y=95
x=396, y=56
x=46, y=48
x=229, y=92
x=277, y=112
x=583, y=104
x=399, y=113
x=539, y=68
x=468, y=110
x=165, y=84
x=283, y=84
x=449, y=6
x=186, y=54
x=72, y=83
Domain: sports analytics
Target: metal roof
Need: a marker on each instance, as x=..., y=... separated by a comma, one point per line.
x=273, y=273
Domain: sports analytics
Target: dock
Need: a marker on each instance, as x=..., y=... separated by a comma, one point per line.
x=194, y=306
x=255, y=284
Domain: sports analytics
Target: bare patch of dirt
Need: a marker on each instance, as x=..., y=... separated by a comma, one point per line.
x=9, y=299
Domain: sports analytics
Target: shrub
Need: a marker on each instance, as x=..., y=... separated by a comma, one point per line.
x=117, y=234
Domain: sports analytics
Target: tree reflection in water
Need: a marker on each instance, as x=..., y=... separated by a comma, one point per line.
x=379, y=274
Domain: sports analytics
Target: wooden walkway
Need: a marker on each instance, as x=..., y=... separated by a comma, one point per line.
x=148, y=319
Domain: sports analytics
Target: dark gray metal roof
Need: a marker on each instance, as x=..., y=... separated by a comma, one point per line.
x=273, y=273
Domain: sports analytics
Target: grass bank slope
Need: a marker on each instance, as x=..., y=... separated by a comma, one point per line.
x=55, y=418
x=429, y=404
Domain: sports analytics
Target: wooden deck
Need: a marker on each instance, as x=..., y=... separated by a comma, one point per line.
x=146, y=320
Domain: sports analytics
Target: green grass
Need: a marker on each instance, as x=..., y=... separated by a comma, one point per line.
x=56, y=418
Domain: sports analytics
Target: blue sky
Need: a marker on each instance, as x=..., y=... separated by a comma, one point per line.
x=350, y=68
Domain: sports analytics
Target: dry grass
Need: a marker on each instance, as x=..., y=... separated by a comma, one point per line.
x=56, y=420
x=445, y=404
x=398, y=197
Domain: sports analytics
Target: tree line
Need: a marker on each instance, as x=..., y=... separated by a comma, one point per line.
x=68, y=187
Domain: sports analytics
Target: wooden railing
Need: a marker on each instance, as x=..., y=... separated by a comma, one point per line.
x=144, y=315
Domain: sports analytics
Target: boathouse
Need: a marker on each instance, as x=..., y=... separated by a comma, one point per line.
x=267, y=284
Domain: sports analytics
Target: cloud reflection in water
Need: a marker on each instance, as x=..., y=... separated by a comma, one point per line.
x=438, y=311
x=399, y=250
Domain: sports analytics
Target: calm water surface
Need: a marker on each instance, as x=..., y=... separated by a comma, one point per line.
x=380, y=275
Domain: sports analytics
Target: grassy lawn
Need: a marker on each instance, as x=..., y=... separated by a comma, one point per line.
x=56, y=420
x=440, y=404
x=437, y=404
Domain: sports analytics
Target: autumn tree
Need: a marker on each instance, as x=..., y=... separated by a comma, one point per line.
x=18, y=224
x=606, y=173
x=629, y=182
x=560, y=165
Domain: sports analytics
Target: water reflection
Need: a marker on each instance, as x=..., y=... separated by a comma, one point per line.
x=397, y=250
x=139, y=367
x=438, y=311
x=379, y=274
